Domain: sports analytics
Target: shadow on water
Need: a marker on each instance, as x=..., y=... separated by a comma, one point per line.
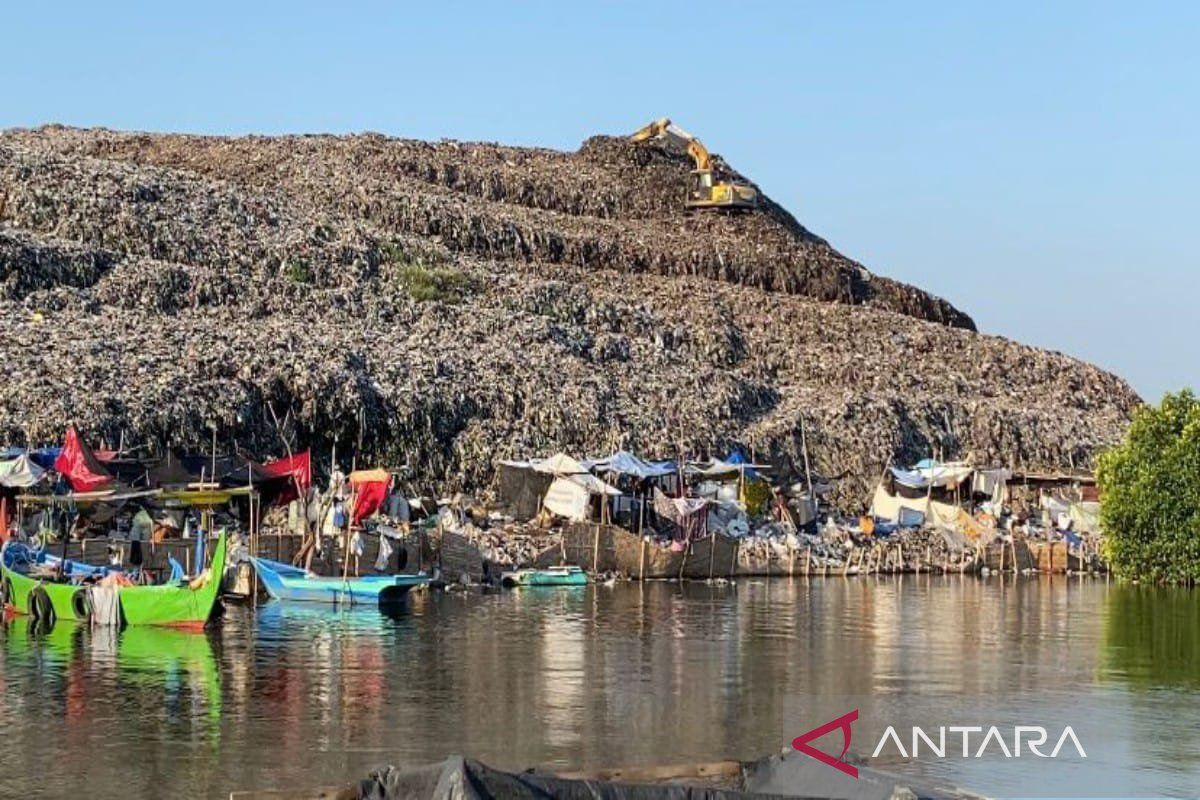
x=1152, y=636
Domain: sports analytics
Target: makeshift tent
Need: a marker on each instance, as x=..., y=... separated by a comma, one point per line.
x=20, y=472
x=370, y=490
x=626, y=463
x=79, y=465
x=932, y=473
x=296, y=469
x=169, y=472
x=893, y=507
x=278, y=482
x=716, y=468
x=559, y=464
x=45, y=457
x=991, y=483
x=570, y=495
x=521, y=488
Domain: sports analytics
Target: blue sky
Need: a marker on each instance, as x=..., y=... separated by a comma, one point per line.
x=1037, y=164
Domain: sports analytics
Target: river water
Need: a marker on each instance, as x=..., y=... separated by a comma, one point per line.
x=289, y=697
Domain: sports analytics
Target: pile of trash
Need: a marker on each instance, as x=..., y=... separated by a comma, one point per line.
x=448, y=305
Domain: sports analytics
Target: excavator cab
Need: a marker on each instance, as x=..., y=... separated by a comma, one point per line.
x=706, y=191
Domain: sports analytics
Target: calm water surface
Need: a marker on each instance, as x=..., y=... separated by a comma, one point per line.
x=287, y=697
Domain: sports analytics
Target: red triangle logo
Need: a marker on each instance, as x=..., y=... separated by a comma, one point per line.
x=801, y=743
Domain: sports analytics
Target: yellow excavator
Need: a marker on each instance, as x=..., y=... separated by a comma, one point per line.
x=706, y=191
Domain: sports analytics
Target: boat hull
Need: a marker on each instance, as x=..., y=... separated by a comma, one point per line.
x=545, y=577
x=288, y=584
x=174, y=605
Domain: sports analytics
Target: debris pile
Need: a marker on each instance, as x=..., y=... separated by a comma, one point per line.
x=447, y=305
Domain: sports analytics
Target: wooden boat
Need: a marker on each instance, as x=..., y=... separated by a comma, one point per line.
x=553, y=576
x=293, y=584
x=187, y=604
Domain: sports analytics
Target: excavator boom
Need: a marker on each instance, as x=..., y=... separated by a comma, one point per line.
x=706, y=191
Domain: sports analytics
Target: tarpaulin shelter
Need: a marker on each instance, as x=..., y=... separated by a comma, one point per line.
x=718, y=468
x=169, y=472
x=914, y=511
x=521, y=488
x=79, y=465
x=928, y=473
x=570, y=495
x=626, y=463
x=559, y=464
x=370, y=490
x=20, y=472
x=295, y=474
x=278, y=482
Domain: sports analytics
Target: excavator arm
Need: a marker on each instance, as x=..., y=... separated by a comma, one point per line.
x=706, y=192
x=665, y=129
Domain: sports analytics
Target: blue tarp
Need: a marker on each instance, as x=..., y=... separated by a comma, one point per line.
x=44, y=457
x=627, y=463
x=737, y=457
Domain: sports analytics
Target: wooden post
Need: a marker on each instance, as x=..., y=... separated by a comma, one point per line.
x=808, y=560
x=641, y=536
x=1001, y=557
x=596, y=551
x=712, y=553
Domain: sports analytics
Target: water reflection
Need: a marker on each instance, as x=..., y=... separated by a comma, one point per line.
x=1152, y=636
x=292, y=696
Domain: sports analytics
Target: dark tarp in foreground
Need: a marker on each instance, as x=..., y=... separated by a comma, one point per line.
x=791, y=775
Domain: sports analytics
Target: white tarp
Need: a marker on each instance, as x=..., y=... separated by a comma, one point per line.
x=930, y=472
x=20, y=472
x=569, y=495
x=559, y=464
x=886, y=506
x=717, y=467
x=627, y=463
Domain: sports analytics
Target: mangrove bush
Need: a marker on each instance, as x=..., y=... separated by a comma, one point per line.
x=1150, y=494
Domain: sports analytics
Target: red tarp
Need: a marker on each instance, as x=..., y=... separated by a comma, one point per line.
x=296, y=468
x=79, y=465
x=370, y=491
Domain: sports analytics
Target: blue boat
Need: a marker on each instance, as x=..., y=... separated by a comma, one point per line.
x=293, y=584
x=552, y=576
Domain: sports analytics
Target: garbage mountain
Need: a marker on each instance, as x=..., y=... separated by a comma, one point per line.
x=445, y=305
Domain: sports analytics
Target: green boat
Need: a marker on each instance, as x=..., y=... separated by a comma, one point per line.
x=553, y=576
x=182, y=604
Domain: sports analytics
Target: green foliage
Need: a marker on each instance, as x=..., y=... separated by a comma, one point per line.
x=298, y=271
x=434, y=283
x=1150, y=494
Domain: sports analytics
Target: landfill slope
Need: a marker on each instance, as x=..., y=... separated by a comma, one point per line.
x=445, y=305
